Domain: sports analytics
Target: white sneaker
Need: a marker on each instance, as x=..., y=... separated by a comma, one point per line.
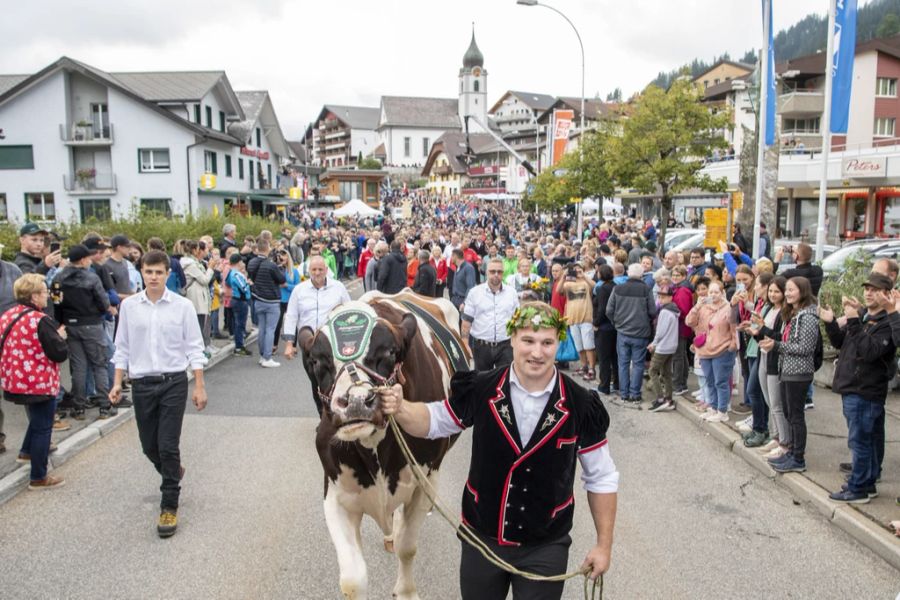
x=745, y=425
x=777, y=452
x=697, y=394
x=710, y=412
x=769, y=447
x=269, y=364
x=718, y=417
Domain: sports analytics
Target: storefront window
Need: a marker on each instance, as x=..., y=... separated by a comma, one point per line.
x=892, y=216
x=855, y=217
x=806, y=225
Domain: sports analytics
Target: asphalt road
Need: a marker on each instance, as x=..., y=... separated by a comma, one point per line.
x=694, y=520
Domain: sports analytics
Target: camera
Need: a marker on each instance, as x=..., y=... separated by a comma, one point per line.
x=54, y=246
x=571, y=272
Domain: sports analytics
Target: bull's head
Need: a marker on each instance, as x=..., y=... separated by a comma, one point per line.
x=349, y=367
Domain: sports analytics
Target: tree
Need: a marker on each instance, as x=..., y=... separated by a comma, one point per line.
x=889, y=26
x=665, y=142
x=615, y=95
x=368, y=163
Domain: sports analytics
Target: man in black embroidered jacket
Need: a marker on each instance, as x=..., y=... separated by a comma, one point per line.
x=530, y=423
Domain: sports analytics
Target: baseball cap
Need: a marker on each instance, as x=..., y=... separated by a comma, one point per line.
x=119, y=240
x=94, y=244
x=31, y=229
x=877, y=280
x=78, y=252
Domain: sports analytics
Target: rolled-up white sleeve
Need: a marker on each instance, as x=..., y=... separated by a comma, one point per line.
x=291, y=316
x=598, y=471
x=121, y=355
x=193, y=340
x=443, y=423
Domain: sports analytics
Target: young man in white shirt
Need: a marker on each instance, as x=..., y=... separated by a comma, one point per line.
x=157, y=340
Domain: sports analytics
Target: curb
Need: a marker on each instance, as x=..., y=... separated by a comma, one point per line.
x=17, y=481
x=860, y=527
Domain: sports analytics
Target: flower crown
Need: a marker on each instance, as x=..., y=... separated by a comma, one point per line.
x=537, y=317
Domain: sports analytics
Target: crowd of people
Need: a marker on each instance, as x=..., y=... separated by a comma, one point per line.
x=634, y=313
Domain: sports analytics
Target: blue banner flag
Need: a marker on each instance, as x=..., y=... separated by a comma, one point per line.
x=844, y=51
x=769, y=76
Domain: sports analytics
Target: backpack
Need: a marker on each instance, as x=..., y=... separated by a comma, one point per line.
x=173, y=284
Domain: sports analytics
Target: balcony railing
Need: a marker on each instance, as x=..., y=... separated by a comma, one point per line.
x=88, y=135
x=805, y=102
x=99, y=183
x=443, y=170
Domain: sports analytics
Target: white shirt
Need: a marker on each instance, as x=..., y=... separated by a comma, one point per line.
x=489, y=311
x=156, y=338
x=309, y=306
x=598, y=471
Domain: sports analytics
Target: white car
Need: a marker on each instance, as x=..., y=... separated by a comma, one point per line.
x=871, y=249
x=676, y=236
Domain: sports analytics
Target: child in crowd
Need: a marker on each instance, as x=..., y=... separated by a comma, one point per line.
x=701, y=287
x=663, y=347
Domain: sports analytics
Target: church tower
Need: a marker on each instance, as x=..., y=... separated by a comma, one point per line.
x=473, y=86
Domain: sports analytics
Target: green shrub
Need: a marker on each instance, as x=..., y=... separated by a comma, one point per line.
x=846, y=282
x=146, y=225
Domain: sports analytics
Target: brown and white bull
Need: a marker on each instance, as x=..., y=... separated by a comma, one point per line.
x=379, y=340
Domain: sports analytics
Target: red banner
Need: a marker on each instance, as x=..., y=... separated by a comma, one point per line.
x=562, y=124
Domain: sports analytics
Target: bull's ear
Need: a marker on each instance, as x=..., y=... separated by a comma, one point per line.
x=305, y=338
x=408, y=328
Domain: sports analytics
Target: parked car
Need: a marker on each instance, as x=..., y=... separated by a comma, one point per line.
x=870, y=249
x=676, y=236
x=788, y=262
x=689, y=243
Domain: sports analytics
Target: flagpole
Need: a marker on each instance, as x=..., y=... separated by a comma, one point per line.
x=826, y=133
x=764, y=85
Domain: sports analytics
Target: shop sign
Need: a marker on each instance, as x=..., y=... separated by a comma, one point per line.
x=254, y=153
x=295, y=193
x=207, y=181
x=716, y=220
x=860, y=168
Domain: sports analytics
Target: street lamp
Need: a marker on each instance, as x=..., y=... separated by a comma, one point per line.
x=580, y=45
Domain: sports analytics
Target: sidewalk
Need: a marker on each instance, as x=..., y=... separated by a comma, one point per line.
x=14, y=476
x=826, y=447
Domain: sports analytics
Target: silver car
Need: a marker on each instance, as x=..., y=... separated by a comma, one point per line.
x=870, y=249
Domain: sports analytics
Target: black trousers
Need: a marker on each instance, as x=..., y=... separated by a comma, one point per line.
x=159, y=404
x=313, y=382
x=681, y=365
x=793, y=394
x=481, y=580
x=489, y=357
x=607, y=360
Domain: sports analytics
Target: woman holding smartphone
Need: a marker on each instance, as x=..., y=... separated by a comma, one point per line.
x=796, y=347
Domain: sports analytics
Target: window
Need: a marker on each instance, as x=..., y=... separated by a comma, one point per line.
x=161, y=205
x=221, y=121
x=153, y=160
x=240, y=168
x=100, y=121
x=227, y=166
x=250, y=170
x=810, y=125
x=885, y=127
x=39, y=206
x=258, y=138
x=95, y=209
x=209, y=116
x=426, y=146
x=210, y=162
x=886, y=87
x=196, y=113
x=406, y=143
x=4, y=211
x=16, y=157
x=477, y=84
x=269, y=174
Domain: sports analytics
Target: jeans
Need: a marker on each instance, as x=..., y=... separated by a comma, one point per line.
x=607, y=360
x=90, y=388
x=793, y=394
x=681, y=365
x=159, y=411
x=632, y=352
x=239, y=310
x=753, y=392
x=772, y=395
x=861, y=415
x=661, y=375
x=717, y=371
x=37, y=437
x=267, y=314
x=214, y=323
x=88, y=351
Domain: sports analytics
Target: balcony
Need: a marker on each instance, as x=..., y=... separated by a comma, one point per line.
x=86, y=135
x=443, y=170
x=82, y=182
x=801, y=102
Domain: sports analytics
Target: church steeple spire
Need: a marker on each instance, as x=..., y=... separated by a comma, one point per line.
x=473, y=56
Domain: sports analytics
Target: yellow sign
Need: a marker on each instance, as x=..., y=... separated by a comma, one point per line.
x=574, y=200
x=207, y=181
x=737, y=200
x=295, y=193
x=716, y=220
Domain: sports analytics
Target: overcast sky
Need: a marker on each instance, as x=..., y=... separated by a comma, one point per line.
x=309, y=53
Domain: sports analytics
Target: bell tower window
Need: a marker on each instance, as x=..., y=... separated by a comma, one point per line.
x=476, y=85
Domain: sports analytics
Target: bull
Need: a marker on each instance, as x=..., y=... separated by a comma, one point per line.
x=377, y=341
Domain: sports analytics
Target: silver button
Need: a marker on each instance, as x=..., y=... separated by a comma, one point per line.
x=520, y=527
x=524, y=489
x=522, y=508
x=528, y=469
x=508, y=505
x=506, y=522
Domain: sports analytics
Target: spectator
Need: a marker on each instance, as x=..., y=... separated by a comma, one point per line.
x=426, y=277
x=803, y=254
x=266, y=279
x=229, y=233
x=33, y=256
x=864, y=368
x=9, y=273
x=364, y=259
x=765, y=243
x=464, y=280
x=756, y=430
x=440, y=266
x=412, y=265
x=632, y=310
x=605, y=333
x=117, y=265
x=33, y=343
x=134, y=256
x=796, y=346
x=240, y=298
x=369, y=282
x=488, y=308
x=739, y=240
x=81, y=305
x=663, y=348
x=198, y=277
x=510, y=261
x=579, y=317
x=392, y=270
x=701, y=291
x=521, y=281
x=292, y=280
x=683, y=297
x=715, y=324
x=698, y=265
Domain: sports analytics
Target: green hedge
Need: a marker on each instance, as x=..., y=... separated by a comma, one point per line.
x=141, y=228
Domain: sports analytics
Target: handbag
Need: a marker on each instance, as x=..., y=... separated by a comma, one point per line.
x=699, y=340
x=567, y=351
